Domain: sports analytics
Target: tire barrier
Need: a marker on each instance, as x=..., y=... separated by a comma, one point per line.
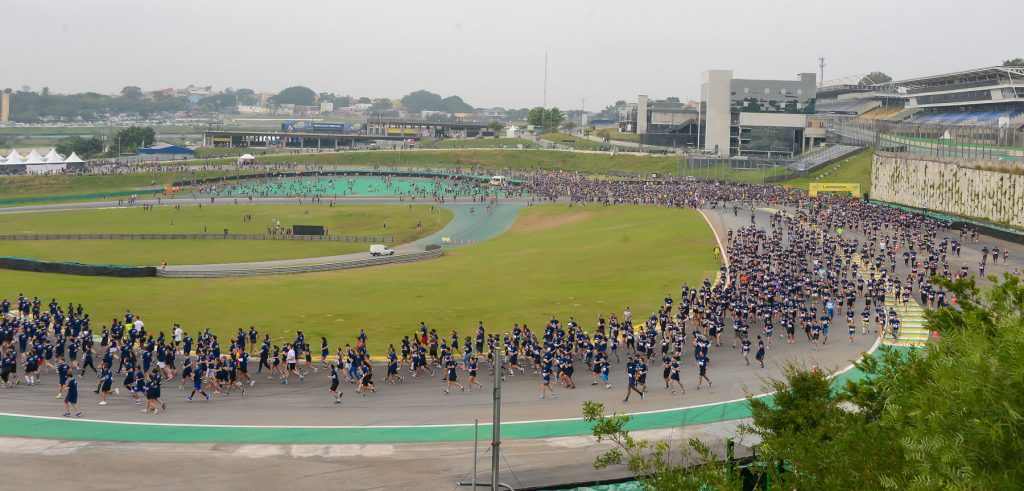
x=112, y=270
x=329, y=238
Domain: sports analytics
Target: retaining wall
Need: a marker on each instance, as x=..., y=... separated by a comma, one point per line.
x=934, y=183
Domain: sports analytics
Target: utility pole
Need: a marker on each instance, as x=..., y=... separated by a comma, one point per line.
x=496, y=422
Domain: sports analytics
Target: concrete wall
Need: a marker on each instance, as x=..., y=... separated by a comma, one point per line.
x=943, y=186
x=715, y=92
x=641, y=114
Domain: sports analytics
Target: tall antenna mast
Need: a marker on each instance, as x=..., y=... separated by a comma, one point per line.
x=545, y=78
x=821, y=65
x=544, y=107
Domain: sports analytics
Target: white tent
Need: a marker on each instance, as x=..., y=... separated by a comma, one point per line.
x=73, y=159
x=247, y=159
x=34, y=157
x=14, y=157
x=53, y=157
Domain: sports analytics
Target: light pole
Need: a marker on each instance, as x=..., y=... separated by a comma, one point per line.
x=496, y=422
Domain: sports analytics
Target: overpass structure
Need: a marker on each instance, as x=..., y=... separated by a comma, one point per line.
x=293, y=140
x=415, y=128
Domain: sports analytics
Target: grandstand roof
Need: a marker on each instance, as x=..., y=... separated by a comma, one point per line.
x=1011, y=72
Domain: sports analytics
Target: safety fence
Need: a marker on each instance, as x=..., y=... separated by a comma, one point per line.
x=329, y=238
x=229, y=270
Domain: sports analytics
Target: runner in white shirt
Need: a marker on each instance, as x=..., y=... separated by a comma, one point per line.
x=290, y=359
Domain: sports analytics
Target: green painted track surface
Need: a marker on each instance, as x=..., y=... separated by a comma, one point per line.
x=75, y=429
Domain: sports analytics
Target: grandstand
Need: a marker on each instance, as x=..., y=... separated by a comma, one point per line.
x=991, y=97
x=815, y=160
x=969, y=118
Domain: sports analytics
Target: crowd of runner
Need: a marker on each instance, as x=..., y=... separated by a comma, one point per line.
x=815, y=264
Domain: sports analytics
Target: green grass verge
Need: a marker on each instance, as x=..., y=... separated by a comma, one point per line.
x=572, y=141
x=554, y=261
x=855, y=168
x=726, y=172
x=359, y=220
x=614, y=134
x=18, y=187
x=489, y=159
x=510, y=143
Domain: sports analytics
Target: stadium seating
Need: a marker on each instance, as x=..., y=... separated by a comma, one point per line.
x=880, y=113
x=969, y=118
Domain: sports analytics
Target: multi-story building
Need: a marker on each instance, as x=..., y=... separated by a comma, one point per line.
x=770, y=118
x=660, y=122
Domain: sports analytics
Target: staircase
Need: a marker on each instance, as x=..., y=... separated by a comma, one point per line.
x=912, y=330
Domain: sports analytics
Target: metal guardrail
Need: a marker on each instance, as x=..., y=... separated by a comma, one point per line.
x=329, y=238
x=300, y=268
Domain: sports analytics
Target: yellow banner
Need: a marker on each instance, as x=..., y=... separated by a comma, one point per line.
x=834, y=187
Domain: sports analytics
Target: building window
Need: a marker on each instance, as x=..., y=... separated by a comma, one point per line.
x=799, y=91
x=746, y=90
x=767, y=91
x=782, y=91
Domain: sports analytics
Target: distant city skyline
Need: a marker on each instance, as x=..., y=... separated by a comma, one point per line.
x=488, y=54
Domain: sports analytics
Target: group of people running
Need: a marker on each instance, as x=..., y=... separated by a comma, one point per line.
x=809, y=263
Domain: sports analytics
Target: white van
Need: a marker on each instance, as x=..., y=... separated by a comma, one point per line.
x=380, y=250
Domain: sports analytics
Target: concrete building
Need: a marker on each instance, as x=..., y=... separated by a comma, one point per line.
x=660, y=122
x=758, y=117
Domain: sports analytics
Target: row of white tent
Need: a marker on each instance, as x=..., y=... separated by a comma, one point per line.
x=38, y=164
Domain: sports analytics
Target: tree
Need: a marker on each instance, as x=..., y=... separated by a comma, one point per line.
x=945, y=417
x=131, y=92
x=656, y=464
x=875, y=78
x=382, y=104
x=245, y=96
x=569, y=126
x=496, y=127
x=422, y=100
x=225, y=101
x=130, y=139
x=455, y=104
x=1014, y=62
x=86, y=148
x=298, y=95
x=549, y=119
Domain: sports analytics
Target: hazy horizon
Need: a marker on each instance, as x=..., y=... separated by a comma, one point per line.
x=489, y=54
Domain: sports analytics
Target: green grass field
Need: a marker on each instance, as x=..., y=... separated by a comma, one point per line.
x=572, y=141
x=856, y=168
x=615, y=135
x=726, y=172
x=359, y=220
x=554, y=261
x=510, y=143
x=19, y=187
x=16, y=187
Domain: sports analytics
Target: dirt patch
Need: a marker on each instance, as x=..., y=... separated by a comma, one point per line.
x=535, y=223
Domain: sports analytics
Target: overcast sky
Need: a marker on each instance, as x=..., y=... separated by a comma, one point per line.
x=490, y=53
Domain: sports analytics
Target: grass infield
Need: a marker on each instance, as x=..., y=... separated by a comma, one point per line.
x=554, y=260
x=357, y=220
